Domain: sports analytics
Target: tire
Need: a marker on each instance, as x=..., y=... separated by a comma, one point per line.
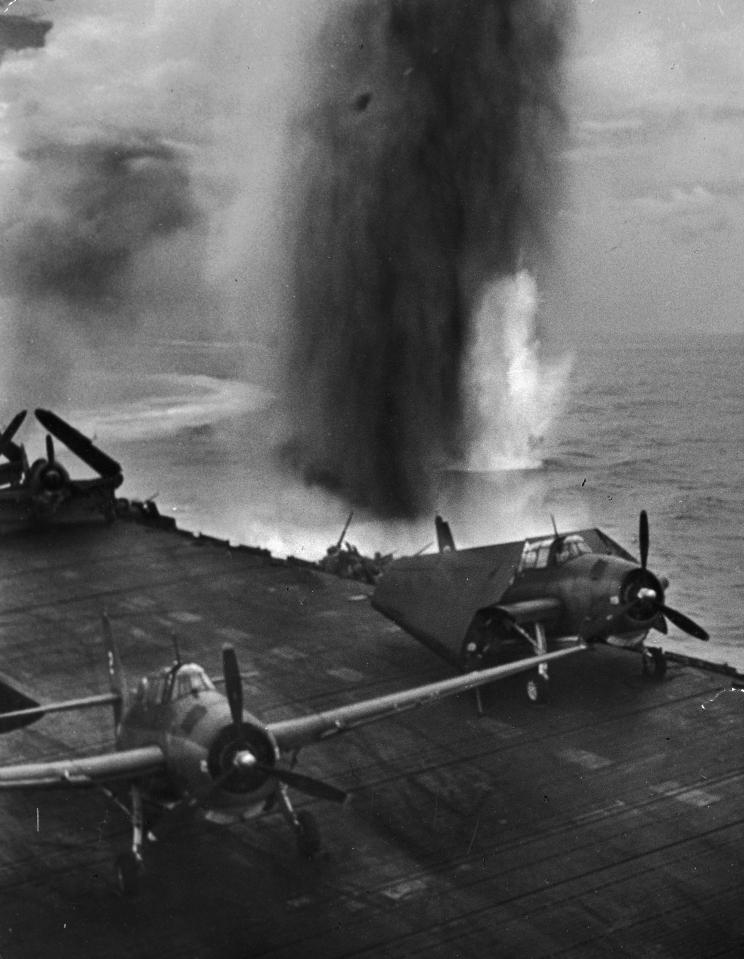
x=654, y=664
x=308, y=835
x=537, y=688
x=128, y=872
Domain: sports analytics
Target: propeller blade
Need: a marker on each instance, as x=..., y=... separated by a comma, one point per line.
x=233, y=686
x=305, y=784
x=50, y=449
x=683, y=622
x=79, y=444
x=643, y=537
x=7, y=446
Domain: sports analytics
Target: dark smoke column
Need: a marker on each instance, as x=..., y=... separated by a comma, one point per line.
x=427, y=165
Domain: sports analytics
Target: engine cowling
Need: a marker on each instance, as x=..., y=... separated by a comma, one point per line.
x=241, y=762
x=641, y=593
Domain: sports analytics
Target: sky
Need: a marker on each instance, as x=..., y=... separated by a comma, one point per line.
x=652, y=233
x=649, y=233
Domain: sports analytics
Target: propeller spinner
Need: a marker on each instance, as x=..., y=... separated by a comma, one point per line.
x=239, y=753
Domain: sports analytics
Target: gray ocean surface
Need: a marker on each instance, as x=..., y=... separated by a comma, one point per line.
x=655, y=425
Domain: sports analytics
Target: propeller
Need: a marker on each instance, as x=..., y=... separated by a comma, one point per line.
x=50, y=450
x=233, y=687
x=305, y=784
x=245, y=758
x=682, y=622
x=7, y=447
x=654, y=597
x=643, y=538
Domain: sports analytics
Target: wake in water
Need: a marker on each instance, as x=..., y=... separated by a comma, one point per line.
x=514, y=395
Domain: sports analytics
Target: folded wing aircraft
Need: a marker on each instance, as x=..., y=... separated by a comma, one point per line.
x=44, y=491
x=473, y=606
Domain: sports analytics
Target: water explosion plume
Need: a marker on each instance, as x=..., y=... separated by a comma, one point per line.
x=429, y=167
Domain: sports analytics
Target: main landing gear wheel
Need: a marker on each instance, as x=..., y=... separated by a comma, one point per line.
x=308, y=835
x=537, y=688
x=654, y=663
x=129, y=870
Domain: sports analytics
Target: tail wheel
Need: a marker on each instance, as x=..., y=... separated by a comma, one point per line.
x=537, y=688
x=128, y=873
x=308, y=835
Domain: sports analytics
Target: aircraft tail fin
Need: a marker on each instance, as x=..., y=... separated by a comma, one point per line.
x=445, y=542
x=117, y=677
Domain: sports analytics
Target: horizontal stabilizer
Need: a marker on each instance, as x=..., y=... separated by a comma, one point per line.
x=14, y=707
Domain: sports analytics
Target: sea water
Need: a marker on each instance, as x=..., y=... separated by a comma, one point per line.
x=654, y=425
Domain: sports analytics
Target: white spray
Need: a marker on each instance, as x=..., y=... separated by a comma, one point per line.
x=514, y=395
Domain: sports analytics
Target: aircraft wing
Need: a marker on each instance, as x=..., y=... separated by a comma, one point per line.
x=84, y=771
x=532, y=610
x=14, y=719
x=85, y=486
x=291, y=734
x=14, y=494
x=10, y=473
x=79, y=444
x=434, y=596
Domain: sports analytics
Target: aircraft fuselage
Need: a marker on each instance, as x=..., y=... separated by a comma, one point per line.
x=589, y=589
x=196, y=733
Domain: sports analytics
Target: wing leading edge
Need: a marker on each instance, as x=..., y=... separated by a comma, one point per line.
x=85, y=770
x=293, y=733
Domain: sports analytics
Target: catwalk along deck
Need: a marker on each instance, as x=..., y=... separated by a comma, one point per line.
x=607, y=823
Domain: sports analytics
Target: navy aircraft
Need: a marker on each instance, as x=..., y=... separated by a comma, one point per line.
x=473, y=606
x=182, y=744
x=44, y=491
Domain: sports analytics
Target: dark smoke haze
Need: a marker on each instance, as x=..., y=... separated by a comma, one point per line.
x=429, y=167
x=84, y=211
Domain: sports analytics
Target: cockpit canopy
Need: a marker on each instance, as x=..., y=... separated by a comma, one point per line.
x=172, y=683
x=553, y=551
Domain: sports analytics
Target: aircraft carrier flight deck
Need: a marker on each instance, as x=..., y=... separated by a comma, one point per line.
x=605, y=823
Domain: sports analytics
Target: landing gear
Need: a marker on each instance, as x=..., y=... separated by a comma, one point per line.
x=308, y=835
x=654, y=663
x=537, y=684
x=129, y=868
x=303, y=825
x=537, y=688
x=130, y=865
